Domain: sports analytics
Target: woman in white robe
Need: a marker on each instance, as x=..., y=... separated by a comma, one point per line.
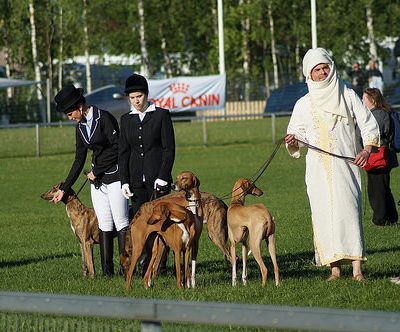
x=325, y=118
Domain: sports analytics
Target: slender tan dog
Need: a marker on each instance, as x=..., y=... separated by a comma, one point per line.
x=175, y=224
x=213, y=210
x=190, y=198
x=84, y=224
x=126, y=253
x=250, y=225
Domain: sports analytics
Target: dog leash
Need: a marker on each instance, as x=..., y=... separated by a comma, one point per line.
x=256, y=176
x=313, y=147
x=80, y=189
x=263, y=168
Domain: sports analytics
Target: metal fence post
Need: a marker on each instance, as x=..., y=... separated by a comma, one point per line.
x=273, y=123
x=48, y=101
x=204, y=131
x=37, y=140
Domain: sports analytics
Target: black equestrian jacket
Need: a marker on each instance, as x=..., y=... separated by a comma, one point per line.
x=146, y=148
x=103, y=141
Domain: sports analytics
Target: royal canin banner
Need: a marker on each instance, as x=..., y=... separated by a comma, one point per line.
x=189, y=93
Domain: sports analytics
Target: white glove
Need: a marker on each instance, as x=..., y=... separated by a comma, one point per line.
x=126, y=192
x=160, y=182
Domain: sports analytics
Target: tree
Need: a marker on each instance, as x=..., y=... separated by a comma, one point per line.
x=35, y=58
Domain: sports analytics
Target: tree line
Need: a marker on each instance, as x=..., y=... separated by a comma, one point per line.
x=264, y=40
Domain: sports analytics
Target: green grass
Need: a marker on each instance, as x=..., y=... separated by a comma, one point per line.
x=39, y=253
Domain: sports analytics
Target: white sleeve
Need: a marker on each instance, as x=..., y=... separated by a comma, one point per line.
x=296, y=127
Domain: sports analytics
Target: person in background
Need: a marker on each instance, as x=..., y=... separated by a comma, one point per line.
x=146, y=148
x=375, y=77
x=379, y=193
x=324, y=118
x=97, y=130
x=358, y=79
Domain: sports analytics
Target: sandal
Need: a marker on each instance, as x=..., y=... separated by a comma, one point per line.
x=332, y=277
x=359, y=278
x=396, y=280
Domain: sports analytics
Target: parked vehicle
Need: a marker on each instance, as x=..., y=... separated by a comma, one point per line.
x=113, y=99
x=110, y=98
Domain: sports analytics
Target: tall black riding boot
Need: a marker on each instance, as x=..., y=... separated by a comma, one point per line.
x=106, y=253
x=121, y=245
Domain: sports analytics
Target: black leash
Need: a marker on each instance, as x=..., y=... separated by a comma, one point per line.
x=325, y=152
x=80, y=189
x=263, y=168
x=253, y=178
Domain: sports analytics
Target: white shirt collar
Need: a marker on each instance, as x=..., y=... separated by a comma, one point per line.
x=89, y=115
x=150, y=108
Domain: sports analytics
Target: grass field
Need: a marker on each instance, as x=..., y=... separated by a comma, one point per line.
x=39, y=253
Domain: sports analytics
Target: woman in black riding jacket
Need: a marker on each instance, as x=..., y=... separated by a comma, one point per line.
x=97, y=130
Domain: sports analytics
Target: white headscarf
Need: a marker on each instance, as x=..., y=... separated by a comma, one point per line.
x=329, y=95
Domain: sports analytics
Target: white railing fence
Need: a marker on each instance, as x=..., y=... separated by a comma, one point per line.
x=152, y=313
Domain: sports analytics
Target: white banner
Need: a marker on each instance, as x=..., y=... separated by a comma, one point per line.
x=189, y=93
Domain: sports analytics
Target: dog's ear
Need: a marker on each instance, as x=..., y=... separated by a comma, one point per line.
x=58, y=185
x=196, y=181
x=160, y=213
x=244, y=184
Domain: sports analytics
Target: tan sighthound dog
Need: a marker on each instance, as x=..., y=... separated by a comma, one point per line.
x=250, y=224
x=213, y=210
x=177, y=227
x=84, y=224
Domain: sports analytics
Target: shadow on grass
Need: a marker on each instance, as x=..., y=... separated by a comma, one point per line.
x=27, y=261
x=296, y=265
x=382, y=250
x=291, y=265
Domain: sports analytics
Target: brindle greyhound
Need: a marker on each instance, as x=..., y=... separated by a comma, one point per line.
x=84, y=224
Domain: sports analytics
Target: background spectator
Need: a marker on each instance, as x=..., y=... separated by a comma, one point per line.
x=358, y=79
x=375, y=77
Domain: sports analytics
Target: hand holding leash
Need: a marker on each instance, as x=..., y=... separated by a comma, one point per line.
x=161, y=188
x=160, y=183
x=361, y=158
x=90, y=176
x=57, y=197
x=290, y=139
x=126, y=192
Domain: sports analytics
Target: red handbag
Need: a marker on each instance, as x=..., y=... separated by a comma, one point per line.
x=377, y=160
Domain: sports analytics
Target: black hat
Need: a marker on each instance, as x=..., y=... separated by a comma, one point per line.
x=136, y=82
x=67, y=98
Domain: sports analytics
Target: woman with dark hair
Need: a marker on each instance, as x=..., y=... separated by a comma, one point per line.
x=97, y=130
x=146, y=151
x=379, y=193
x=146, y=146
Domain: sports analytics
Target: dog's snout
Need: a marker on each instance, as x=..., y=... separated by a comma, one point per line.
x=257, y=192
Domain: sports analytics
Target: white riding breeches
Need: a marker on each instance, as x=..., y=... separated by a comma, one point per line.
x=110, y=206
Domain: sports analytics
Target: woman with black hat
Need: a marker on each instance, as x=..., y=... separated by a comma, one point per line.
x=146, y=146
x=97, y=130
x=146, y=151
